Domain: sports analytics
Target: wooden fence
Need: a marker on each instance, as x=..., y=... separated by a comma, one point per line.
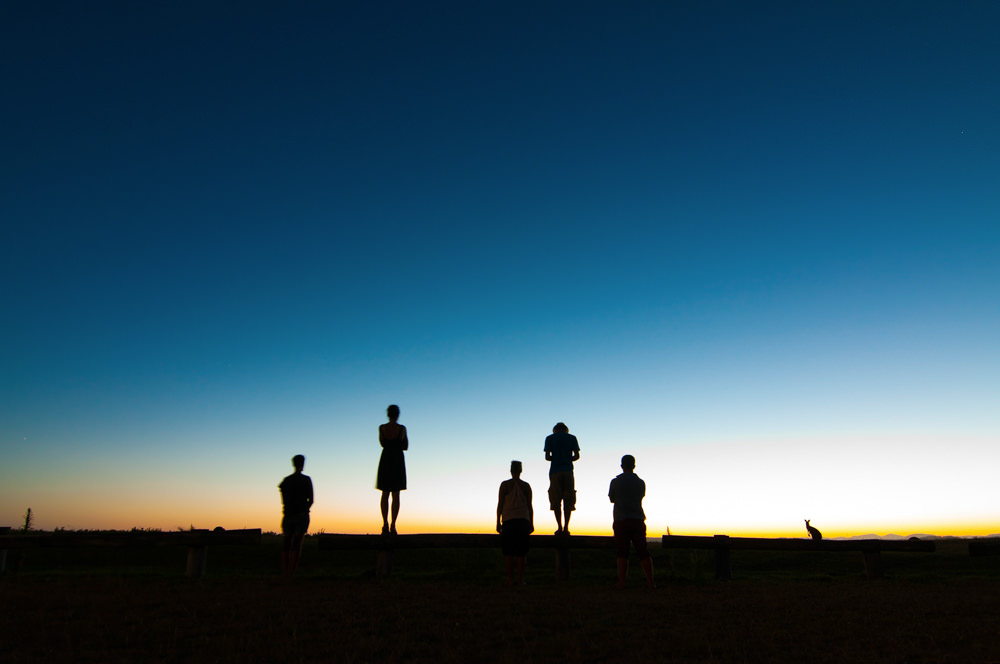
x=196, y=541
x=385, y=545
x=721, y=545
x=985, y=547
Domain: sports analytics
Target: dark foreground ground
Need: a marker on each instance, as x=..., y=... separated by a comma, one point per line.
x=463, y=613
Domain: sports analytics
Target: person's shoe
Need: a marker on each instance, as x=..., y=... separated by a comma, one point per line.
x=385, y=530
x=392, y=531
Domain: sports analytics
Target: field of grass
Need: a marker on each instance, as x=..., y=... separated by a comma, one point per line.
x=134, y=605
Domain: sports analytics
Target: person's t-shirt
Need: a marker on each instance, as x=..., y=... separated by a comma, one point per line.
x=296, y=493
x=626, y=492
x=515, y=500
x=561, y=445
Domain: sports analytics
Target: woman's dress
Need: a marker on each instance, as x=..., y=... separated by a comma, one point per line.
x=391, y=465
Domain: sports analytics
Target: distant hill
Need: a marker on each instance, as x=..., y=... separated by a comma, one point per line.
x=922, y=536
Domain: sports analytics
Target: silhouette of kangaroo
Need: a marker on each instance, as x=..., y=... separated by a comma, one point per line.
x=813, y=532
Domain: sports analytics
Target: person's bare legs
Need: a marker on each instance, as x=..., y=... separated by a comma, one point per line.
x=286, y=558
x=622, y=572
x=647, y=567
x=296, y=553
x=558, y=514
x=290, y=556
x=385, y=512
x=395, y=511
x=567, y=511
x=511, y=561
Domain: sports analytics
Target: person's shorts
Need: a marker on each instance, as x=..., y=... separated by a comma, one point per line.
x=514, y=537
x=295, y=524
x=631, y=531
x=562, y=489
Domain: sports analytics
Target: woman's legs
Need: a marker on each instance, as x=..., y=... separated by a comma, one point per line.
x=385, y=512
x=395, y=511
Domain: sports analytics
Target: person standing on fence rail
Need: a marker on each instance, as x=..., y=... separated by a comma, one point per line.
x=296, y=499
x=562, y=449
x=515, y=521
x=391, y=467
x=626, y=492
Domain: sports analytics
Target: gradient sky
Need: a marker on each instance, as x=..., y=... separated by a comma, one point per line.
x=753, y=244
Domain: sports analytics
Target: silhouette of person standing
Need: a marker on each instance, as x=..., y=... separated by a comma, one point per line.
x=562, y=449
x=391, y=467
x=515, y=521
x=296, y=499
x=626, y=492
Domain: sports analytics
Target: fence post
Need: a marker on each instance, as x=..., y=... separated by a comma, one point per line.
x=197, y=558
x=873, y=563
x=383, y=563
x=3, y=552
x=562, y=559
x=723, y=568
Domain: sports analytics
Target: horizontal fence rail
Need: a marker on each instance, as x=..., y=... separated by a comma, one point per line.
x=985, y=547
x=197, y=542
x=385, y=545
x=723, y=544
x=330, y=542
x=792, y=544
x=249, y=536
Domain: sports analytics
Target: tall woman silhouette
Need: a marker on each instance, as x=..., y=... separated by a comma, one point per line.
x=391, y=467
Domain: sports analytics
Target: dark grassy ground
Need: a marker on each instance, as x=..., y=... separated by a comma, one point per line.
x=135, y=606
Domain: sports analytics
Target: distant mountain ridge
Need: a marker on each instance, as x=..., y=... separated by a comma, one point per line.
x=901, y=537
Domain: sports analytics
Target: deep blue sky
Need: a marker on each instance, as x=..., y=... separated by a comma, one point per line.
x=237, y=232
